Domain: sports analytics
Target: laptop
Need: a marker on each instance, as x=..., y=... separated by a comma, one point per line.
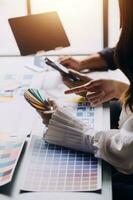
x=38, y=32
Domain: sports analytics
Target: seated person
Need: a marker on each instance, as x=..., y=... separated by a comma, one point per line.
x=114, y=146
x=103, y=90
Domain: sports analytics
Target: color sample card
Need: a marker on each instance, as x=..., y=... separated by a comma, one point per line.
x=12, y=84
x=91, y=116
x=10, y=149
x=54, y=168
x=86, y=113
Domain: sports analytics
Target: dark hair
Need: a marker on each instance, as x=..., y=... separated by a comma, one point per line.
x=124, y=49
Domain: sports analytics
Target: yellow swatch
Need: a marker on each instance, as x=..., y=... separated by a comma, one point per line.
x=5, y=98
x=75, y=99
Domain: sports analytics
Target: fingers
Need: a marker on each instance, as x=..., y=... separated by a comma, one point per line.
x=65, y=60
x=95, y=98
x=71, y=84
x=79, y=75
x=100, y=91
x=70, y=62
x=95, y=95
x=91, y=86
x=100, y=98
x=68, y=83
x=97, y=102
x=62, y=58
x=76, y=90
x=94, y=85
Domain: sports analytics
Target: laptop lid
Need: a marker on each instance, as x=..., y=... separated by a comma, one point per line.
x=38, y=32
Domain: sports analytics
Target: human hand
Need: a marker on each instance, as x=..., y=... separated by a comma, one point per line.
x=70, y=62
x=100, y=91
x=47, y=114
x=83, y=79
x=92, y=62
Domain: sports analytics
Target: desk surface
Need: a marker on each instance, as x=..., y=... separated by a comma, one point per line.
x=12, y=190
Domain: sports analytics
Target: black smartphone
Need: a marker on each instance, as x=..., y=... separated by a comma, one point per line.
x=64, y=71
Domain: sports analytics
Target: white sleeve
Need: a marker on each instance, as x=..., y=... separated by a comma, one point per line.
x=116, y=147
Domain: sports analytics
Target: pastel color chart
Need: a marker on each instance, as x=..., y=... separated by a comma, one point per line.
x=91, y=116
x=83, y=112
x=55, y=168
x=12, y=85
x=86, y=113
x=10, y=149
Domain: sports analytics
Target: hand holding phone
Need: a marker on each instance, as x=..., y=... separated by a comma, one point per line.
x=64, y=71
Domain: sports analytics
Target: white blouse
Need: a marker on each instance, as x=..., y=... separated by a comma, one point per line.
x=116, y=145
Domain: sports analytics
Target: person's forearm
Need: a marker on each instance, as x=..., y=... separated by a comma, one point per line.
x=121, y=87
x=93, y=62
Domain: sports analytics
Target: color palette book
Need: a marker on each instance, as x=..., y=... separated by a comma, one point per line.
x=64, y=129
x=10, y=149
x=59, y=169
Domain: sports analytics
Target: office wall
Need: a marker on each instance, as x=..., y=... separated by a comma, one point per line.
x=82, y=20
x=9, y=8
x=113, y=23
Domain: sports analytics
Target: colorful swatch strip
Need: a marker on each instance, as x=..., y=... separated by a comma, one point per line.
x=55, y=168
x=10, y=149
x=36, y=99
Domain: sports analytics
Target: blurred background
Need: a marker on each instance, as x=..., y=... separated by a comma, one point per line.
x=89, y=24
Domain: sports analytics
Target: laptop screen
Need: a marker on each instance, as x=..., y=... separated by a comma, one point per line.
x=38, y=32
